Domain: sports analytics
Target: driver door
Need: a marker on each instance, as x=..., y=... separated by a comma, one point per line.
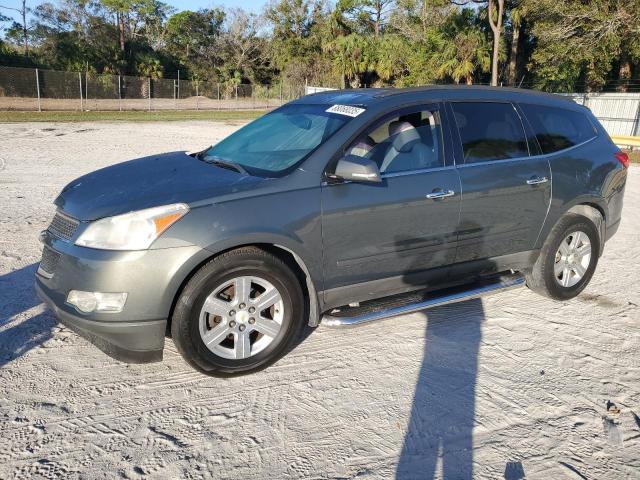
x=400, y=234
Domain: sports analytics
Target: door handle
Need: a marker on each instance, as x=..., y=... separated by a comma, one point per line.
x=537, y=180
x=441, y=194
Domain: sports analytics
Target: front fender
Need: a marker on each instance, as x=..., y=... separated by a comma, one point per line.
x=287, y=220
x=303, y=260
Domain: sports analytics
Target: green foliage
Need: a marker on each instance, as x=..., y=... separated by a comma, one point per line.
x=353, y=55
x=568, y=45
x=462, y=50
x=150, y=67
x=577, y=43
x=188, y=34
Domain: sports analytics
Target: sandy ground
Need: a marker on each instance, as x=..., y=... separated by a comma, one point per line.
x=511, y=386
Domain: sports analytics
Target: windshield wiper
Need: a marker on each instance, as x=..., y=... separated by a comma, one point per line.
x=218, y=162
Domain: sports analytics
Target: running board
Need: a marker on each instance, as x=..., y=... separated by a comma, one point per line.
x=390, y=308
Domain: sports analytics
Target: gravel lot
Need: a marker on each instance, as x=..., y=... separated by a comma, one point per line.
x=509, y=386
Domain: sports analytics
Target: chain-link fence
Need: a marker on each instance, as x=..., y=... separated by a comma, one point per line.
x=36, y=89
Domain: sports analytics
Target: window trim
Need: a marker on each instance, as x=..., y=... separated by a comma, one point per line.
x=533, y=157
x=529, y=132
x=447, y=141
x=454, y=123
x=596, y=133
x=419, y=171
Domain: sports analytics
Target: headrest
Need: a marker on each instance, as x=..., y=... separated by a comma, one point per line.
x=406, y=135
x=362, y=147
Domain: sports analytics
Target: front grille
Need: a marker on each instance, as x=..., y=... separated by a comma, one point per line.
x=49, y=261
x=63, y=226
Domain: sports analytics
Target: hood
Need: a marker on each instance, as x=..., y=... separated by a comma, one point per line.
x=149, y=182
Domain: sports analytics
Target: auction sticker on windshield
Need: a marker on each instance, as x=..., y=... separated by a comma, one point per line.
x=347, y=110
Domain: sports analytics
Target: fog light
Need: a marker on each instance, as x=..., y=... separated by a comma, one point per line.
x=88, y=302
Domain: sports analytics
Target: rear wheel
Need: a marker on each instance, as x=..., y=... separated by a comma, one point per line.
x=239, y=313
x=567, y=260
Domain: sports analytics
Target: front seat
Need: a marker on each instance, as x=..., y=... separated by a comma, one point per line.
x=406, y=151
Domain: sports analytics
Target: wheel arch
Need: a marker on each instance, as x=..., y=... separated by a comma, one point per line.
x=287, y=255
x=595, y=213
x=592, y=208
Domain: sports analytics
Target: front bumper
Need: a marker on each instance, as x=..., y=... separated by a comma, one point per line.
x=151, y=278
x=131, y=342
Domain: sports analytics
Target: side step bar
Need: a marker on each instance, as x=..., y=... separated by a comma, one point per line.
x=434, y=299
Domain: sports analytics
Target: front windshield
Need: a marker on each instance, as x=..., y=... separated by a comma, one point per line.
x=278, y=140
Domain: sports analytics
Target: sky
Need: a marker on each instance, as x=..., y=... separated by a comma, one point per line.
x=251, y=5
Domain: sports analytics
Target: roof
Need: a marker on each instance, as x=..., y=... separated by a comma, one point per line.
x=356, y=96
x=368, y=96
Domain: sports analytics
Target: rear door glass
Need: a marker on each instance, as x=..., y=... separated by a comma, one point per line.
x=558, y=128
x=489, y=131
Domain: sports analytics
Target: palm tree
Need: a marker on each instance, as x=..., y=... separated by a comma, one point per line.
x=151, y=68
x=517, y=15
x=391, y=57
x=353, y=55
x=463, y=56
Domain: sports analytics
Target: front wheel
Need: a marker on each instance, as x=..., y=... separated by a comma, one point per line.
x=239, y=313
x=567, y=260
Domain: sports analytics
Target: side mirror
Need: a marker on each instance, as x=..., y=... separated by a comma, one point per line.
x=358, y=169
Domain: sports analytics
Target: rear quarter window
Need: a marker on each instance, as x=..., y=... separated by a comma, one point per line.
x=558, y=128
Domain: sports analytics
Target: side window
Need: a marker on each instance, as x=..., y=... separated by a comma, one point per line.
x=489, y=131
x=405, y=142
x=557, y=128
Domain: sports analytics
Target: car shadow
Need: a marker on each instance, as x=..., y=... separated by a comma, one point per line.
x=17, y=295
x=442, y=416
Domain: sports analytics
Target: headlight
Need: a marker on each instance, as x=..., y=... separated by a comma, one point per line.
x=131, y=231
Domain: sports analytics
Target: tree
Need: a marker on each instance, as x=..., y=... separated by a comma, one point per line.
x=517, y=16
x=150, y=67
x=417, y=19
x=579, y=43
x=291, y=18
x=188, y=33
x=148, y=20
x=241, y=47
x=462, y=50
x=495, y=22
x=72, y=33
x=120, y=8
x=299, y=29
x=392, y=57
x=131, y=16
x=371, y=16
x=495, y=14
x=353, y=56
x=568, y=45
x=22, y=11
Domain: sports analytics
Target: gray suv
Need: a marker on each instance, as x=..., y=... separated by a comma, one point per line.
x=342, y=207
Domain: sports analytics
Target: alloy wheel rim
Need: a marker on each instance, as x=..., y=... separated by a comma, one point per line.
x=572, y=259
x=241, y=317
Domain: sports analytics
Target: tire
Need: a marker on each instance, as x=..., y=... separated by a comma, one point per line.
x=237, y=340
x=544, y=277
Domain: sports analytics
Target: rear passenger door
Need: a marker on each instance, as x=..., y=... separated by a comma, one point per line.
x=506, y=188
